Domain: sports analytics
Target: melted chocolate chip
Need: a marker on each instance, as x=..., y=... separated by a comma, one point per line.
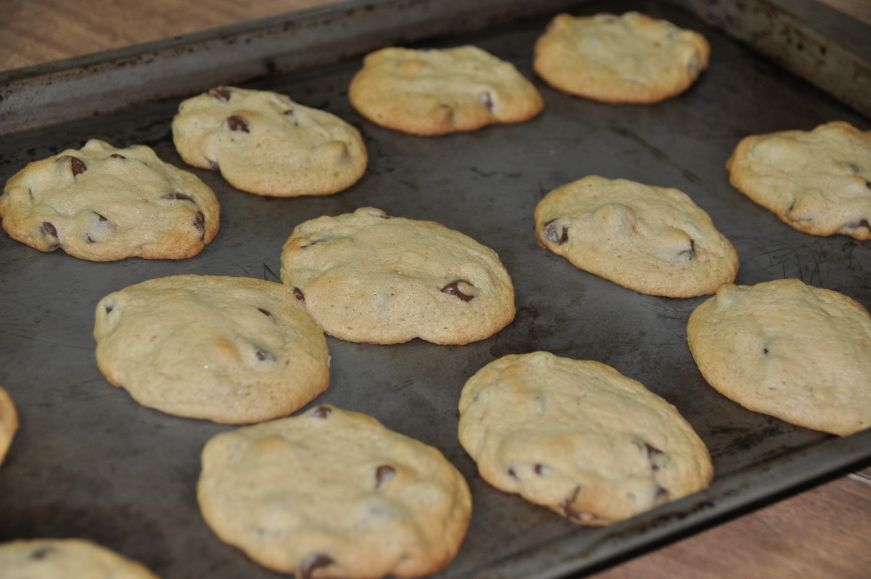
x=512, y=473
x=117, y=156
x=213, y=165
x=298, y=294
x=552, y=234
x=539, y=468
x=200, y=224
x=77, y=166
x=237, y=123
x=661, y=495
x=49, y=229
x=383, y=474
x=179, y=197
x=567, y=507
x=868, y=184
x=100, y=218
x=109, y=308
x=857, y=224
x=88, y=239
x=312, y=562
x=266, y=313
x=487, y=100
x=764, y=350
x=264, y=356
x=41, y=553
x=656, y=457
x=453, y=289
x=221, y=93
x=322, y=411
x=689, y=253
x=854, y=168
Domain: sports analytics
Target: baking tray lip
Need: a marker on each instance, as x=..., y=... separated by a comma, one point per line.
x=723, y=499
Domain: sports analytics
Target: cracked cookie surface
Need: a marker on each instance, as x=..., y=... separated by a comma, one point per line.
x=8, y=423
x=369, y=277
x=620, y=59
x=790, y=350
x=578, y=437
x=333, y=493
x=818, y=182
x=67, y=558
x=653, y=240
x=227, y=349
x=434, y=92
x=264, y=143
x=101, y=203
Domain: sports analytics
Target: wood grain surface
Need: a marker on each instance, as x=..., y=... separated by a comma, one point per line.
x=824, y=532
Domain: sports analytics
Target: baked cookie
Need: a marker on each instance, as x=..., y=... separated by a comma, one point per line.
x=794, y=351
x=649, y=239
x=368, y=277
x=818, y=182
x=8, y=423
x=67, y=559
x=103, y=204
x=264, y=143
x=332, y=493
x=433, y=92
x=620, y=59
x=227, y=349
x=578, y=437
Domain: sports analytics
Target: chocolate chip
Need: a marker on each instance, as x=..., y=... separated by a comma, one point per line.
x=539, y=469
x=89, y=239
x=312, y=562
x=764, y=350
x=857, y=224
x=868, y=184
x=552, y=234
x=109, y=308
x=266, y=313
x=854, y=168
x=487, y=100
x=179, y=197
x=689, y=253
x=656, y=457
x=100, y=218
x=264, y=356
x=298, y=294
x=77, y=166
x=237, y=123
x=292, y=115
x=453, y=289
x=41, y=553
x=383, y=474
x=49, y=229
x=661, y=495
x=221, y=93
x=213, y=165
x=117, y=156
x=322, y=411
x=512, y=473
x=569, y=510
x=200, y=224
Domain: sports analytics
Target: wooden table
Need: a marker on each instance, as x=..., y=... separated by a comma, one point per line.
x=823, y=532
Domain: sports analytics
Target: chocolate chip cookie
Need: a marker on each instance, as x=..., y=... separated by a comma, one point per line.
x=8, y=423
x=434, y=92
x=227, y=349
x=101, y=203
x=818, y=181
x=653, y=240
x=66, y=559
x=578, y=437
x=790, y=350
x=369, y=277
x=620, y=59
x=332, y=493
x=264, y=143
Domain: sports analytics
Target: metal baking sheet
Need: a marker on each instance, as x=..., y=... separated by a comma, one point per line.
x=89, y=462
